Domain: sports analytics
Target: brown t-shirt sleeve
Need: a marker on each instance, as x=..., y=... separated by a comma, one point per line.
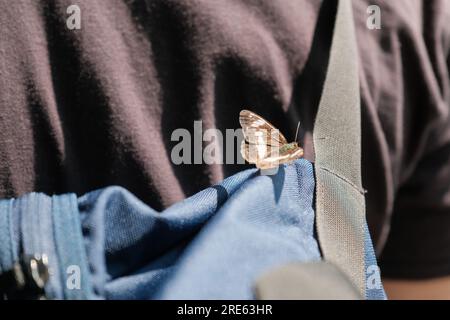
x=418, y=245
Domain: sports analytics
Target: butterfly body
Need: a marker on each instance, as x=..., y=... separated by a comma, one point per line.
x=264, y=145
x=288, y=147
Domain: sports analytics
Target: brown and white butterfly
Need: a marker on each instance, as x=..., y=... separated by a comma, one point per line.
x=263, y=144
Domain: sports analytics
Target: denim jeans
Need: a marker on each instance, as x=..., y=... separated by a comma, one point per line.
x=212, y=245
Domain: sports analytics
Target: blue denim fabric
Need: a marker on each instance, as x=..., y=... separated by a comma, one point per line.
x=40, y=224
x=212, y=245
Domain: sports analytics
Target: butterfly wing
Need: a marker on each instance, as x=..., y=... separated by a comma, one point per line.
x=272, y=161
x=254, y=153
x=263, y=142
x=259, y=131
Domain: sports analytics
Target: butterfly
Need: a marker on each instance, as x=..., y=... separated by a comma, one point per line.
x=263, y=144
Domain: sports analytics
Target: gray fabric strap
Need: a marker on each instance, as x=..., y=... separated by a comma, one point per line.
x=340, y=203
x=317, y=280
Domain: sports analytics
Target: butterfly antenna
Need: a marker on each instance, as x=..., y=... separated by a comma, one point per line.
x=296, y=133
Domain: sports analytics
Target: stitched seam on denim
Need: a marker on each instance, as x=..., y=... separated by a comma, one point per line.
x=67, y=230
x=7, y=252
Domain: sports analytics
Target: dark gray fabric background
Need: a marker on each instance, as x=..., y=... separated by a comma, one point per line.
x=84, y=109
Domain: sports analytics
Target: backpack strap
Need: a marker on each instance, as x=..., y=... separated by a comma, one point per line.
x=340, y=201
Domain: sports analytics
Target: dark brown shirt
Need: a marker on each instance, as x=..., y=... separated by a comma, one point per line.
x=83, y=109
